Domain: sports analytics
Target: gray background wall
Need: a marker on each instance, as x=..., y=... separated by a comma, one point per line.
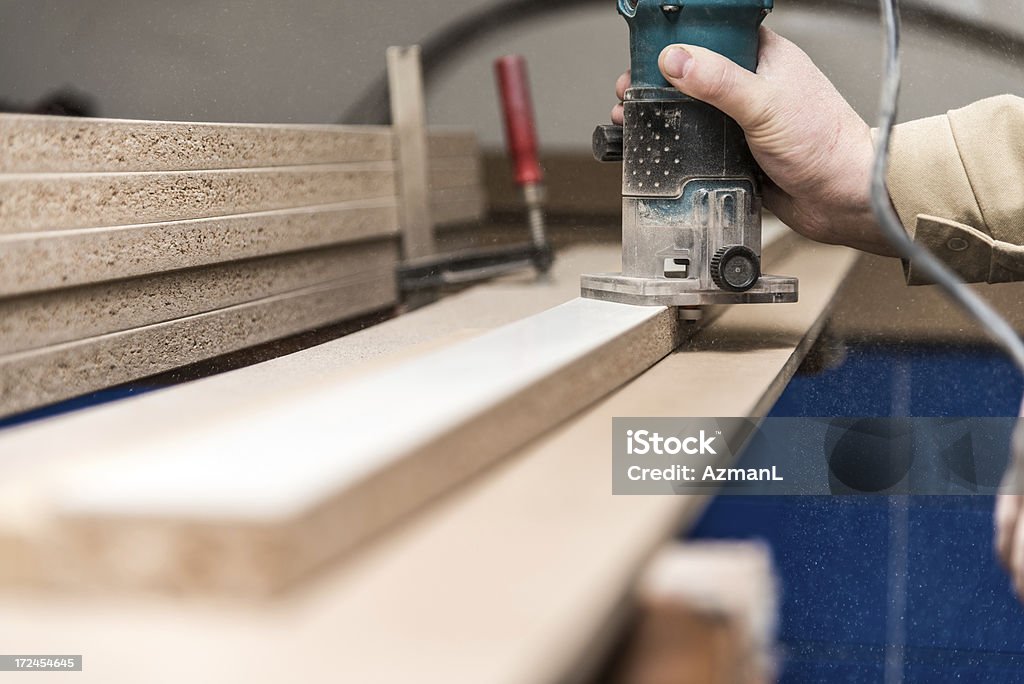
x=305, y=60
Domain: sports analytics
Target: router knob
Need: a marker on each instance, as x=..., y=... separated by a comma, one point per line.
x=607, y=143
x=735, y=268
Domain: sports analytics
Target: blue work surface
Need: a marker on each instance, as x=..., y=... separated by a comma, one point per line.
x=878, y=588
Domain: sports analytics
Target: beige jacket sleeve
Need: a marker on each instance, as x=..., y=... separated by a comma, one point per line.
x=957, y=183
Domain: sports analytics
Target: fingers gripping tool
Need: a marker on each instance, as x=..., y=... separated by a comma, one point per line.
x=691, y=193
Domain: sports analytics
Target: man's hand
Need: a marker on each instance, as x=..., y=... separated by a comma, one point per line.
x=1009, y=517
x=1010, y=537
x=816, y=151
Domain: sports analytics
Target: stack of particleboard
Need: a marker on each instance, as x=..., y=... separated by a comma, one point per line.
x=128, y=248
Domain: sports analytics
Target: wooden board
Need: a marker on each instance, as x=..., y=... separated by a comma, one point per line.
x=41, y=376
x=451, y=142
x=577, y=185
x=457, y=206
x=56, y=317
x=246, y=501
x=457, y=195
x=52, y=260
x=46, y=202
x=453, y=172
x=456, y=192
x=55, y=144
x=508, y=580
x=409, y=118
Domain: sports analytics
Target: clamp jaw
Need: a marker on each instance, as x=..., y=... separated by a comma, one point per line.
x=691, y=207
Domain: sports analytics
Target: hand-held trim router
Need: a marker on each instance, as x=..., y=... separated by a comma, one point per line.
x=691, y=197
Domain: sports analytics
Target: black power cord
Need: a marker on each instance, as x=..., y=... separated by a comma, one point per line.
x=952, y=285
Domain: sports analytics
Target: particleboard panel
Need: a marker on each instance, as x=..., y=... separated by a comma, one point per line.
x=458, y=205
x=54, y=144
x=408, y=119
x=454, y=172
x=46, y=261
x=542, y=526
x=456, y=191
x=35, y=378
x=499, y=390
x=455, y=176
x=55, y=317
x=451, y=142
x=46, y=202
x=577, y=184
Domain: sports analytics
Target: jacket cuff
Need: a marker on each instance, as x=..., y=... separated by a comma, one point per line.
x=974, y=255
x=927, y=176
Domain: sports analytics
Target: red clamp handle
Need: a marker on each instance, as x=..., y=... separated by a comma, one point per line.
x=517, y=106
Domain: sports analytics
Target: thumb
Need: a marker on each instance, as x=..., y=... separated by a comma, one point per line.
x=708, y=76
